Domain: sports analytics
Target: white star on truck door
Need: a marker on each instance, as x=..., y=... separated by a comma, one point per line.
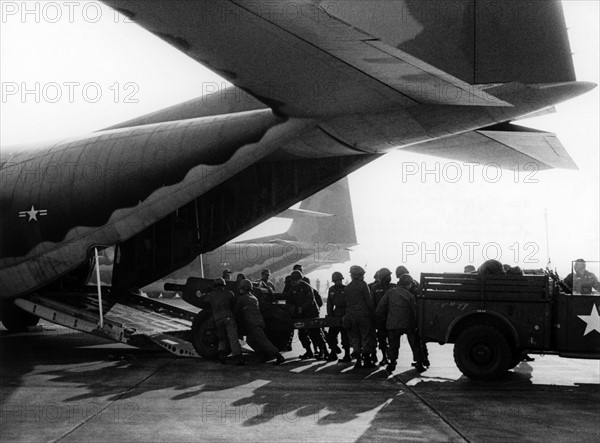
x=592, y=321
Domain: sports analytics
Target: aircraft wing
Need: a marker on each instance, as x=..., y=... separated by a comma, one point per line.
x=298, y=59
x=502, y=145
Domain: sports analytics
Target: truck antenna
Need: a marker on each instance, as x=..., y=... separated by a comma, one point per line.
x=549, y=264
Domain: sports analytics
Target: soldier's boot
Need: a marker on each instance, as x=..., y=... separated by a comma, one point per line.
x=369, y=360
x=419, y=367
x=384, y=359
x=391, y=367
x=308, y=354
x=358, y=364
x=325, y=353
x=222, y=357
x=279, y=358
x=332, y=356
x=347, y=358
x=425, y=363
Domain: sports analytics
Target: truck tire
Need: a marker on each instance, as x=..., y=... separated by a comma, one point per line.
x=204, y=335
x=482, y=353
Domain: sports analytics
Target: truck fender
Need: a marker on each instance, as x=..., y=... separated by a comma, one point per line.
x=471, y=319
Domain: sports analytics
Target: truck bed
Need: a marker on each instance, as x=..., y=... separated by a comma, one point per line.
x=523, y=303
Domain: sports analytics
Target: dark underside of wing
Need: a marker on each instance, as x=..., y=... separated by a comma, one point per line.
x=504, y=145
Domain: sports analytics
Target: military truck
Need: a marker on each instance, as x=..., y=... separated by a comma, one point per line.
x=493, y=320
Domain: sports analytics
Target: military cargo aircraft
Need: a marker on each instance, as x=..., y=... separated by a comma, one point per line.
x=321, y=88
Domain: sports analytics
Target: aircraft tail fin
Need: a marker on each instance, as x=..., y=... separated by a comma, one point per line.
x=478, y=41
x=336, y=228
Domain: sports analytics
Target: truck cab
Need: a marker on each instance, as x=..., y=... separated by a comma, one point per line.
x=493, y=320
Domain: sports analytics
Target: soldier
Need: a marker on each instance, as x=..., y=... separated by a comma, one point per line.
x=398, y=309
x=491, y=267
x=581, y=281
x=264, y=290
x=248, y=314
x=375, y=280
x=226, y=275
x=377, y=292
x=415, y=289
x=221, y=302
x=336, y=307
x=317, y=353
x=300, y=295
x=358, y=317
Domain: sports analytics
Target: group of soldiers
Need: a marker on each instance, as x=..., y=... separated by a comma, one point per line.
x=236, y=316
x=368, y=316
x=376, y=315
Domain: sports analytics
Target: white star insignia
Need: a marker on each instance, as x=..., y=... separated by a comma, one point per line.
x=592, y=321
x=33, y=213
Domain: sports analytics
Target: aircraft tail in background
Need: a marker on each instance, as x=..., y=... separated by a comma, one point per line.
x=325, y=217
x=321, y=233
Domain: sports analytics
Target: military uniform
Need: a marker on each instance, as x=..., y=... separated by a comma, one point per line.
x=221, y=302
x=357, y=319
x=248, y=313
x=582, y=283
x=415, y=289
x=398, y=309
x=263, y=291
x=377, y=292
x=336, y=307
x=302, y=298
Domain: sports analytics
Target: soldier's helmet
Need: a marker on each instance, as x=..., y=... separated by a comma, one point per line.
x=246, y=285
x=296, y=275
x=219, y=282
x=337, y=276
x=401, y=270
x=356, y=270
x=384, y=272
x=405, y=279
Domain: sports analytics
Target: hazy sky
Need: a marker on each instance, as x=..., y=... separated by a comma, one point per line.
x=95, y=69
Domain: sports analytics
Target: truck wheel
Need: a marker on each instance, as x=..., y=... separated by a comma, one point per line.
x=482, y=353
x=204, y=335
x=16, y=319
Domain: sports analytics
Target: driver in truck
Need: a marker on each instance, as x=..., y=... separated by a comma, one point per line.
x=582, y=281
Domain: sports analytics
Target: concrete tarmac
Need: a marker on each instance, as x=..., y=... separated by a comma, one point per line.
x=58, y=385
